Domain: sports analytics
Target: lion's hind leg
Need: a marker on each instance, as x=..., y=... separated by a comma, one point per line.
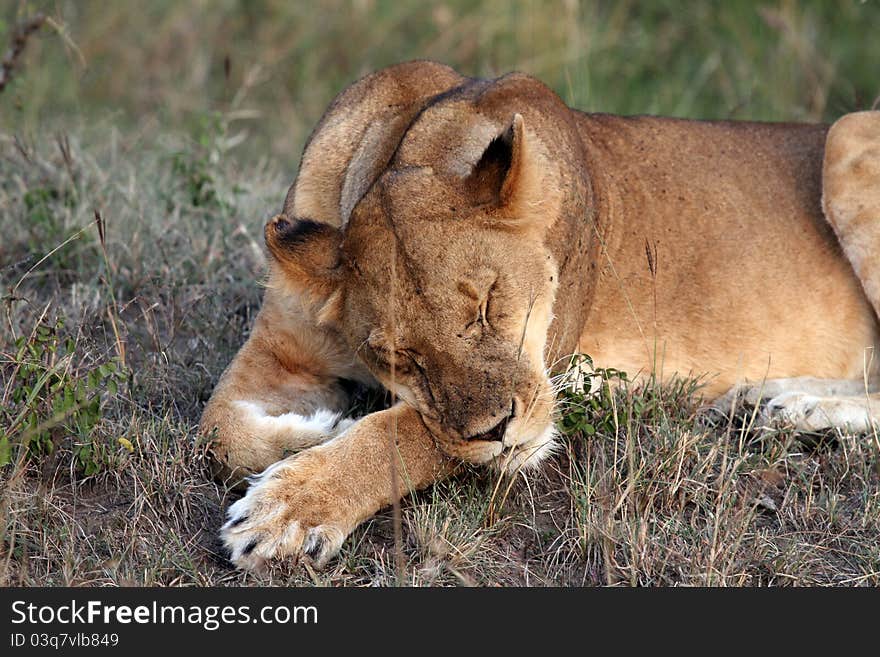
x=809, y=413
x=805, y=404
x=851, y=203
x=851, y=194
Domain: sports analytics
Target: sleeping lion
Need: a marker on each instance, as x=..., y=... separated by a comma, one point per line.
x=454, y=241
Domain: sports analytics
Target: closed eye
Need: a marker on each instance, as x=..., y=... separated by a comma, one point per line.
x=400, y=361
x=480, y=319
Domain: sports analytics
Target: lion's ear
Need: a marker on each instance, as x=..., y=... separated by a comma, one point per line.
x=304, y=255
x=510, y=176
x=357, y=136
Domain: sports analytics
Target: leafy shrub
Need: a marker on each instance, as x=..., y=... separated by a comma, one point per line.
x=586, y=408
x=53, y=402
x=194, y=169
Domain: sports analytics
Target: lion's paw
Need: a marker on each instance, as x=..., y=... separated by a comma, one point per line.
x=794, y=409
x=811, y=413
x=746, y=396
x=285, y=513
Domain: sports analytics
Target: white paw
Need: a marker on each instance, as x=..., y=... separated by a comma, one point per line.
x=756, y=394
x=805, y=412
x=280, y=516
x=797, y=410
x=745, y=395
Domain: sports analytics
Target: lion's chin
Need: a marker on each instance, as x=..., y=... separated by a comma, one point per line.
x=524, y=451
x=522, y=448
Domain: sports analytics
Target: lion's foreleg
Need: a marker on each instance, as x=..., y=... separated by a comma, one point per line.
x=261, y=412
x=309, y=503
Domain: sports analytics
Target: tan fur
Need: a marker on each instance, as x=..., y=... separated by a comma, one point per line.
x=456, y=240
x=851, y=184
x=751, y=282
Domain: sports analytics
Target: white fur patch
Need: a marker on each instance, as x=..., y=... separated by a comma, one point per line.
x=806, y=412
x=528, y=456
x=322, y=420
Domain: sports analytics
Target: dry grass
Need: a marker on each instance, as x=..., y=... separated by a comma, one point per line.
x=652, y=497
x=165, y=292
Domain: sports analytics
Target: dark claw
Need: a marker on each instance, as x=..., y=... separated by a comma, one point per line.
x=220, y=554
x=315, y=547
x=249, y=547
x=237, y=522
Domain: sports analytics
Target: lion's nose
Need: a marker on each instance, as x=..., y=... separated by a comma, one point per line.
x=496, y=433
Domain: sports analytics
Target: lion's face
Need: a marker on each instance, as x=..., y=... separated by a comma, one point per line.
x=446, y=294
x=450, y=312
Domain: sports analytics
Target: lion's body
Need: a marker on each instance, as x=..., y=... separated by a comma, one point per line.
x=749, y=279
x=455, y=240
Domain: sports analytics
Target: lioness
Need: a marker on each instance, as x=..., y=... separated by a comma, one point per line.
x=454, y=240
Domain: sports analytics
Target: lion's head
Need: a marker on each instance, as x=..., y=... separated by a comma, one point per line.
x=440, y=277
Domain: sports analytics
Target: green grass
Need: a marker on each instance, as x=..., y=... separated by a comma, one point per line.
x=114, y=330
x=166, y=63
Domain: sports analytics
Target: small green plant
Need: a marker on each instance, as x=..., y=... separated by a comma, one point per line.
x=194, y=168
x=586, y=411
x=51, y=402
x=44, y=207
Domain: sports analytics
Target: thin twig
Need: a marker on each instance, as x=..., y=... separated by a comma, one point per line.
x=20, y=37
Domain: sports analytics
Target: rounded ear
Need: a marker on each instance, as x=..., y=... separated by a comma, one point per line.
x=305, y=254
x=512, y=176
x=357, y=136
x=493, y=178
x=520, y=173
